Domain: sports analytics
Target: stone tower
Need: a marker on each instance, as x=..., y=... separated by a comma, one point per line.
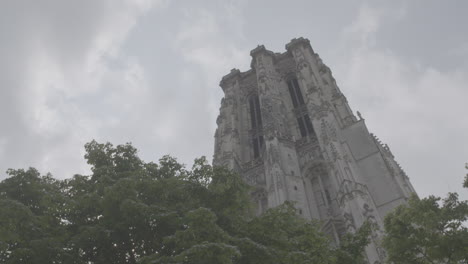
x=287, y=129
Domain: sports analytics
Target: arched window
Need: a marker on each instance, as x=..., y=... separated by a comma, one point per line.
x=303, y=119
x=256, y=123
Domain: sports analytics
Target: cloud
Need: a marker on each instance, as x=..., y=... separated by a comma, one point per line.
x=419, y=110
x=208, y=39
x=116, y=71
x=58, y=58
x=208, y=42
x=364, y=27
x=74, y=81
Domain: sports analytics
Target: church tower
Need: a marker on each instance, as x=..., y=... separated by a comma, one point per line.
x=287, y=129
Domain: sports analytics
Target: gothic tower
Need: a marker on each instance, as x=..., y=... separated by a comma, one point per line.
x=287, y=129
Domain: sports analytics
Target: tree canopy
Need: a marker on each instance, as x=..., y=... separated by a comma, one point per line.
x=130, y=211
x=429, y=230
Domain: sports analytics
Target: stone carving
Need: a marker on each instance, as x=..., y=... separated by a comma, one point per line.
x=254, y=176
x=347, y=157
x=269, y=120
x=272, y=119
x=230, y=102
x=261, y=70
x=298, y=55
x=347, y=121
x=278, y=180
x=249, y=84
x=252, y=164
x=349, y=223
x=316, y=169
x=312, y=88
x=259, y=194
x=251, y=178
x=285, y=69
x=235, y=134
x=334, y=152
x=328, y=132
x=309, y=153
x=302, y=63
x=273, y=156
x=336, y=94
x=349, y=190
x=376, y=234
x=368, y=212
x=320, y=110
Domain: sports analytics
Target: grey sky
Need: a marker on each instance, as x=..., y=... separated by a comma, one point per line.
x=147, y=72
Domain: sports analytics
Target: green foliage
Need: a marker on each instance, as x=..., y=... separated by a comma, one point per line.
x=30, y=218
x=129, y=211
x=289, y=239
x=352, y=245
x=428, y=230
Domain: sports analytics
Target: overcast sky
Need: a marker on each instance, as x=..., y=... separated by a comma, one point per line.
x=148, y=72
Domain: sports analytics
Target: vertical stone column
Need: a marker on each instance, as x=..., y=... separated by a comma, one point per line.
x=262, y=62
x=355, y=202
x=338, y=101
x=321, y=112
x=282, y=171
x=227, y=135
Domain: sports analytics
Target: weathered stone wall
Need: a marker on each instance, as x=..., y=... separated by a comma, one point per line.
x=338, y=173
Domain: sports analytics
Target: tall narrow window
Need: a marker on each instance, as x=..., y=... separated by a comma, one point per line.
x=257, y=144
x=256, y=123
x=327, y=194
x=295, y=93
x=303, y=119
x=298, y=91
x=309, y=127
x=302, y=127
x=305, y=125
x=308, y=123
x=255, y=114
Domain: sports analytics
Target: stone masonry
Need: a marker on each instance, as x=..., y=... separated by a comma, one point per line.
x=287, y=129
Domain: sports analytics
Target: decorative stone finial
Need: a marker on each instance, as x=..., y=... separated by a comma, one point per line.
x=359, y=115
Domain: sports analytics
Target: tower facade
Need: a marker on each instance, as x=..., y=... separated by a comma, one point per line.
x=287, y=129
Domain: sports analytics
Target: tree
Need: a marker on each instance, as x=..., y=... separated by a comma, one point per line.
x=30, y=218
x=130, y=211
x=429, y=230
